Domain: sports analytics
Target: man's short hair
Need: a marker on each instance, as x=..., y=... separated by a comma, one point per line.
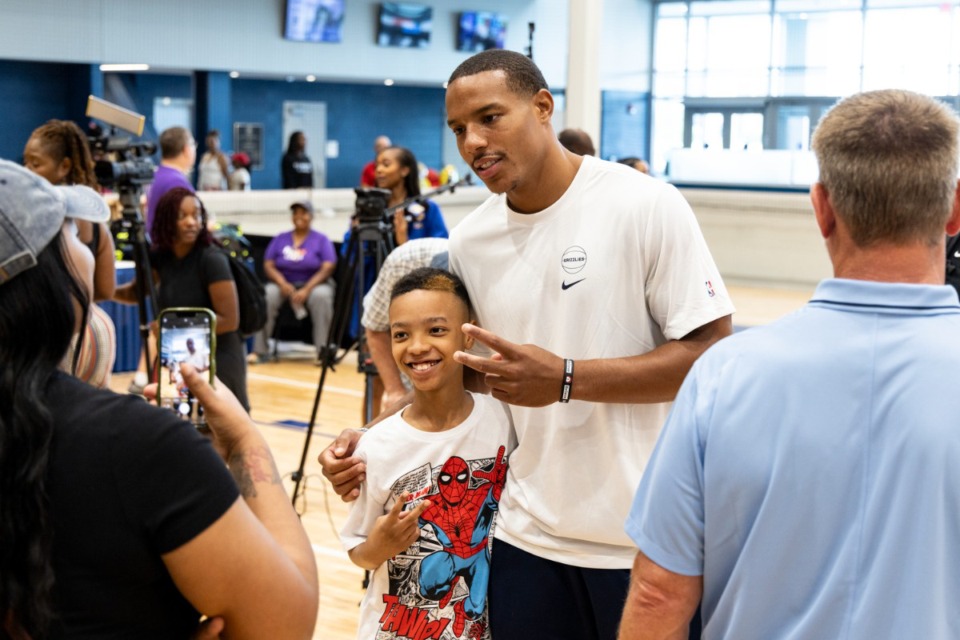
x=173, y=141
x=888, y=160
x=523, y=76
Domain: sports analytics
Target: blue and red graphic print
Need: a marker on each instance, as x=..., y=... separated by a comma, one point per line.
x=438, y=587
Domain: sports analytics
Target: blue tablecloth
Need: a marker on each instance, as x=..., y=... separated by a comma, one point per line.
x=125, y=318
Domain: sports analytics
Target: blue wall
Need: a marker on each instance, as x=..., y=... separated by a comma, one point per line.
x=412, y=117
x=35, y=92
x=356, y=113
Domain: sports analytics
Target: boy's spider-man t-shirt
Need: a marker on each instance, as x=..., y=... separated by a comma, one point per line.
x=437, y=588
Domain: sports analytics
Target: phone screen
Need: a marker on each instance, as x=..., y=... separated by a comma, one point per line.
x=186, y=336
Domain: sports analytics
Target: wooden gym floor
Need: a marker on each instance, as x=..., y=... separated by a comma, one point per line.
x=282, y=395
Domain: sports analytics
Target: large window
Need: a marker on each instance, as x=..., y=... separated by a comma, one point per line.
x=746, y=75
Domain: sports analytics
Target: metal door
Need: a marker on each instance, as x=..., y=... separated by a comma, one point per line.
x=311, y=118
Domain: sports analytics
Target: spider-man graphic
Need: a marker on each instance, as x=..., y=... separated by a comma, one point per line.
x=462, y=519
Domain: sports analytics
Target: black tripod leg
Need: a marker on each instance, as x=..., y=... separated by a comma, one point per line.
x=373, y=241
x=328, y=352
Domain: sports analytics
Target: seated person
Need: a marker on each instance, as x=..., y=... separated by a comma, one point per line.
x=299, y=265
x=435, y=472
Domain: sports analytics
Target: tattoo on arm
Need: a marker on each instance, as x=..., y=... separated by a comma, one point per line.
x=253, y=467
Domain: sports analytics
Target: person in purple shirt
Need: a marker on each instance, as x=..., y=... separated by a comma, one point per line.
x=299, y=265
x=178, y=152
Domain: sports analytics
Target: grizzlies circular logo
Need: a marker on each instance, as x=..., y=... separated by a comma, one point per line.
x=573, y=259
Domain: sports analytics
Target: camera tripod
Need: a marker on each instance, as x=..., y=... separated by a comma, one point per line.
x=131, y=223
x=369, y=244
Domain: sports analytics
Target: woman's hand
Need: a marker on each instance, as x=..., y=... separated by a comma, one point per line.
x=299, y=296
x=228, y=421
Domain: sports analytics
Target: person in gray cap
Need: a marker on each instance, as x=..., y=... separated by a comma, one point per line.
x=119, y=519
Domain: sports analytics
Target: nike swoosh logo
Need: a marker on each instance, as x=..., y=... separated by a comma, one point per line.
x=956, y=254
x=565, y=286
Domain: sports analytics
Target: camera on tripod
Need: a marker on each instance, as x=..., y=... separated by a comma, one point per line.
x=371, y=206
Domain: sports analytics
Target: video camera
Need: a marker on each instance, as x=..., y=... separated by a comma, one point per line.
x=371, y=206
x=132, y=168
x=133, y=165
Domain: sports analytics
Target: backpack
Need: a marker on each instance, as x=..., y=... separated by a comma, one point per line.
x=250, y=291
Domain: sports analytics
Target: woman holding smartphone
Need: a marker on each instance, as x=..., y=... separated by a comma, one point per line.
x=190, y=272
x=119, y=520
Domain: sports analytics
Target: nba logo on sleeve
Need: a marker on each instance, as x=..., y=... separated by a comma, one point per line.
x=710, y=291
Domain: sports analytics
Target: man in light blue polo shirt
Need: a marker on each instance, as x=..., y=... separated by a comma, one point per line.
x=807, y=482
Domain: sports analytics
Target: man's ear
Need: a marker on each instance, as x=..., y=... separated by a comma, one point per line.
x=543, y=103
x=823, y=210
x=953, y=222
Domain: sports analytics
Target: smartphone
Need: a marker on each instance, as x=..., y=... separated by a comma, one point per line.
x=187, y=334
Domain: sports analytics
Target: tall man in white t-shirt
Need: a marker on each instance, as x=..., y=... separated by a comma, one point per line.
x=606, y=270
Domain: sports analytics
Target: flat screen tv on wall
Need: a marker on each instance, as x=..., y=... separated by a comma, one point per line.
x=481, y=30
x=313, y=20
x=404, y=25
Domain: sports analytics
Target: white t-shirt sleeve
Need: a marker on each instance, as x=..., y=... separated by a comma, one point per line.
x=364, y=511
x=684, y=287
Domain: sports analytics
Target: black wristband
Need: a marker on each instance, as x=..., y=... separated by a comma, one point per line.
x=567, y=386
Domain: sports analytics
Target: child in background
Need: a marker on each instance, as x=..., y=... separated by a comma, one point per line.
x=434, y=475
x=239, y=179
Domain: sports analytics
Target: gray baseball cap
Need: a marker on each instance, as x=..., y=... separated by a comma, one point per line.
x=32, y=212
x=306, y=205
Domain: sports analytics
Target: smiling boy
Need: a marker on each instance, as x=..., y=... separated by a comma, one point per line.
x=434, y=476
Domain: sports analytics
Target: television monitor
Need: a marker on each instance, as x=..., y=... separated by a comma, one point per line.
x=404, y=25
x=313, y=20
x=481, y=30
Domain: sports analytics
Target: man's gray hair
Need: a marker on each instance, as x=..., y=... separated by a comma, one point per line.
x=889, y=161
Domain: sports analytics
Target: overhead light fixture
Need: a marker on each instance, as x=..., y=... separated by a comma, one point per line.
x=124, y=67
x=234, y=74
x=388, y=82
x=311, y=78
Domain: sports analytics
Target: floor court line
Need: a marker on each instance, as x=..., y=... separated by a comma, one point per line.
x=298, y=384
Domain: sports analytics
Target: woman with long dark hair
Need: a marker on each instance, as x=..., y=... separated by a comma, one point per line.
x=190, y=272
x=58, y=151
x=397, y=170
x=296, y=167
x=117, y=518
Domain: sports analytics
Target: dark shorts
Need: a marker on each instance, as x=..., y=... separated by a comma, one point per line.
x=531, y=597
